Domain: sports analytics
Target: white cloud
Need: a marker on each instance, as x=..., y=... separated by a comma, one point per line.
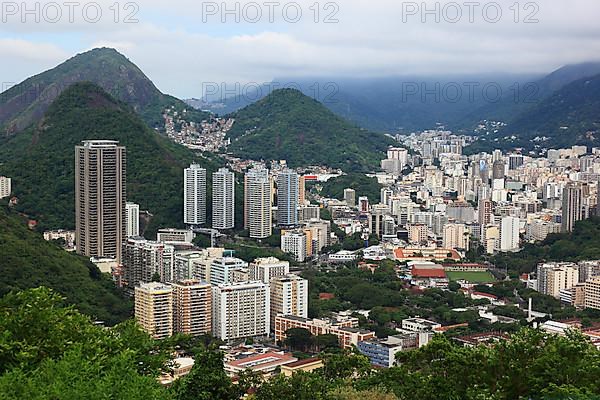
x=180, y=52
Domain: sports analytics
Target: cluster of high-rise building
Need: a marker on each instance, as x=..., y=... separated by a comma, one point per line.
x=195, y=198
x=574, y=283
x=177, y=287
x=434, y=197
x=218, y=294
x=267, y=194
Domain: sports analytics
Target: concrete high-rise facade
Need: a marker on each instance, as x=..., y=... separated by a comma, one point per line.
x=132, y=219
x=350, y=197
x=592, y=293
x=498, y=170
x=287, y=198
x=100, y=197
x=240, y=310
x=192, y=307
x=142, y=259
x=289, y=296
x=485, y=210
x=194, y=195
x=509, y=234
x=221, y=268
x=257, y=203
x=154, y=309
x=456, y=236
x=5, y=187
x=363, y=204
x=417, y=233
x=554, y=277
x=265, y=269
x=295, y=243
x=223, y=199
x=385, y=196
x=572, y=206
x=301, y=190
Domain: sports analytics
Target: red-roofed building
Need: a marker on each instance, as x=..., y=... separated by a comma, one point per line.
x=326, y=296
x=428, y=274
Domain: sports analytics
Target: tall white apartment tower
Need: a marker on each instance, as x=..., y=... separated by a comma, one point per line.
x=240, y=310
x=194, y=195
x=572, y=206
x=5, y=187
x=223, y=199
x=132, y=219
x=257, y=203
x=265, y=269
x=509, y=234
x=287, y=198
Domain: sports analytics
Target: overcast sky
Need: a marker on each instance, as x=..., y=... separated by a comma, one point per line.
x=184, y=44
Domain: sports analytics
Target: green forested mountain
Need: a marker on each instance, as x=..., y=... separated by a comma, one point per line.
x=28, y=261
x=570, y=116
x=287, y=125
x=25, y=104
x=41, y=159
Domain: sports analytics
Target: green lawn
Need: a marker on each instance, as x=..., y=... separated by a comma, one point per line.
x=473, y=277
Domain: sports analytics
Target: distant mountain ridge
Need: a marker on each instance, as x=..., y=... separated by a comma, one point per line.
x=389, y=105
x=25, y=104
x=570, y=116
x=288, y=125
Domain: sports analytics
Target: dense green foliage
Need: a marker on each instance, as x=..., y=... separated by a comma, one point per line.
x=29, y=261
x=49, y=351
x=25, y=104
x=362, y=184
x=387, y=298
x=41, y=162
x=531, y=365
x=287, y=125
x=581, y=244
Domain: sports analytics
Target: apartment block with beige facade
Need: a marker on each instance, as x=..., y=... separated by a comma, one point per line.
x=346, y=331
x=154, y=309
x=289, y=296
x=554, y=277
x=265, y=269
x=192, y=307
x=592, y=293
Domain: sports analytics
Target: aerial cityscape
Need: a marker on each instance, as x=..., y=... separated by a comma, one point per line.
x=354, y=226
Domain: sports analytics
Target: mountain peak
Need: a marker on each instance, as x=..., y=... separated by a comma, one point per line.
x=24, y=104
x=288, y=125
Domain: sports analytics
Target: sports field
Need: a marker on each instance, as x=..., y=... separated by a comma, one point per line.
x=473, y=277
